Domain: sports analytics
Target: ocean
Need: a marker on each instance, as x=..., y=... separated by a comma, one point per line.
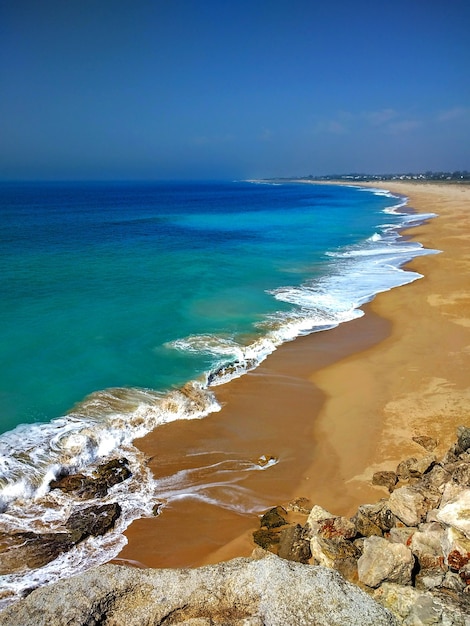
x=124, y=304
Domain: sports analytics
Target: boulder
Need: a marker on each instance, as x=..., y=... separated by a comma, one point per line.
x=414, y=607
x=385, y=479
x=456, y=549
x=267, y=591
x=384, y=561
x=30, y=550
x=274, y=518
x=428, y=443
x=293, y=544
x=456, y=513
x=409, y=505
x=94, y=520
x=463, y=438
x=104, y=477
x=415, y=468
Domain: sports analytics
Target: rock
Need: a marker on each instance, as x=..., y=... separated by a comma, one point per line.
x=94, y=520
x=463, y=438
x=265, y=459
x=293, y=545
x=417, y=608
x=409, y=505
x=456, y=549
x=385, y=479
x=415, y=468
x=436, y=478
x=384, y=561
x=300, y=505
x=317, y=514
x=266, y=538
x=29, y=550
x=274, y=518
x=329, y=552
x=402, y=535
x=364, y=525
x=456, y=513
x=87, y=487
x=336, y=527
x=269, y=591
x=428, y=443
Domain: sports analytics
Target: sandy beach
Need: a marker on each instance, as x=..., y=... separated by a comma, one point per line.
x=333, y=407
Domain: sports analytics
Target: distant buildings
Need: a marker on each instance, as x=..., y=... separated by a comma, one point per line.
x=458, y=176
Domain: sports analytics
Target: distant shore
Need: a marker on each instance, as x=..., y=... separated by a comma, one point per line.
x=336, y=406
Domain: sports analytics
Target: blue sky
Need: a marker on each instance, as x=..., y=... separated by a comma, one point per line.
x=103, y=89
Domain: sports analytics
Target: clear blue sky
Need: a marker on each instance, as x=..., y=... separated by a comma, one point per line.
x=103, y=89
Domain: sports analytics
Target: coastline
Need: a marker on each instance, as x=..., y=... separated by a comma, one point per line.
x=334, y=406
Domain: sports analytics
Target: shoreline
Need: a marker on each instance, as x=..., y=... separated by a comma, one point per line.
x=352, y=396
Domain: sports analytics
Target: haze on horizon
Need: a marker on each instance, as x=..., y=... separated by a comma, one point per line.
x=209, y=89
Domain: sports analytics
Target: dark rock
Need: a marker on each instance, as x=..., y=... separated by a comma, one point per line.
x=293, y=544
x=266, y=538
x=428, y=443
x=385, y=479
x=87, y=487
x=274, y=518
x=29, y=550
x=94, y=520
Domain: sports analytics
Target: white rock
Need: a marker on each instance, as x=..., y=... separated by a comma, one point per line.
x=409, y=505
x=382, y=560
x=456, y=513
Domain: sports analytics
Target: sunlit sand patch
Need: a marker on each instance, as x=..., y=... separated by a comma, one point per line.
x=433, y=408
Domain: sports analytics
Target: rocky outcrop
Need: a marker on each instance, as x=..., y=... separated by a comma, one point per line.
x=411, y=551
x=266, y=591
x=404, y=560
x=96, y=486
x=30, y=550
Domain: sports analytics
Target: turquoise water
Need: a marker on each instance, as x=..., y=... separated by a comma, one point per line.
x=96, y=280
x=123, y=304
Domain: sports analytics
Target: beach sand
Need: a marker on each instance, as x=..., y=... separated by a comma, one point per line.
x=333, y=407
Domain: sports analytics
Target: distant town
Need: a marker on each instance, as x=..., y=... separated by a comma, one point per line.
x=458, y=176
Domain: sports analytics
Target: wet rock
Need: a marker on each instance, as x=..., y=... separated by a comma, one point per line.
x=293, y=544
x=94, y=520
x=385, y=479
x=384, y=561
x=300, y=505
x=274, y=518
x=428, y=443
x=29, y=550
x=96, y=486
x=265, y=459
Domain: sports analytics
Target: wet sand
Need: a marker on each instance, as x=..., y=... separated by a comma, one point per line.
x=332, y=407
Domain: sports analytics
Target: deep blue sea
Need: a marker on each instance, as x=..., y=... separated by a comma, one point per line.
x=113, y=296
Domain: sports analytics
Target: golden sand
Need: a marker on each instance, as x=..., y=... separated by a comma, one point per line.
x=333, y=407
